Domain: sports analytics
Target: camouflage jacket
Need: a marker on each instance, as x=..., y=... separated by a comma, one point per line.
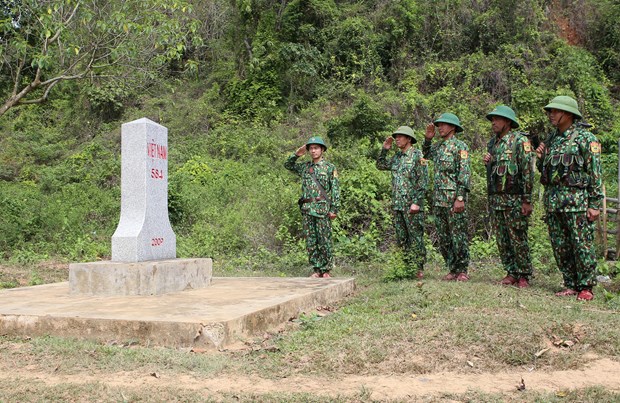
x=571, y=171
x=409, y=177
x=311, y=202
x=510, y=176
x=452, y=171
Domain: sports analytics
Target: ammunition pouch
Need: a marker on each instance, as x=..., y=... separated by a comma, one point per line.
x=565, y=170
x=503, y=178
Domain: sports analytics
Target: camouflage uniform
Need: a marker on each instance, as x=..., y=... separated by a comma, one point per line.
x=571, y=175
x=314, y=209
x=509, y=183
x=409, y=183
x=452, y=176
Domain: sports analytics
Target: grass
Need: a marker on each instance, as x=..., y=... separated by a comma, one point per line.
x=432, y=326
x=407, y=328
x=16, y=274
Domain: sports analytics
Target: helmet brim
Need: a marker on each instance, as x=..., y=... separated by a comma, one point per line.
x=413, y=140
x=564, y=108
x=513, y=123
x=459, y=129
x=318, y=144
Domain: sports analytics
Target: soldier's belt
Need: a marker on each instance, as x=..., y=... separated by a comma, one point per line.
x=312, y=199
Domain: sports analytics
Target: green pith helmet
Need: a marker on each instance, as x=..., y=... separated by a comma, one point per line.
x=316, y=140
x=564, y=103
x=449, y=118
x=407, y=131
x=505, y=112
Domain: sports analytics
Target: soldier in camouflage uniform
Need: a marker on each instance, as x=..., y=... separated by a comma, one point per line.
x=570, y=168
x=509, y=184
x=319, y=204
x=451, y=186
x=409, y=182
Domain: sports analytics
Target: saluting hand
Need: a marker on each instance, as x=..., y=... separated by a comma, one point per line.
x=301, y=151
x=387, y=144
x=430, y=131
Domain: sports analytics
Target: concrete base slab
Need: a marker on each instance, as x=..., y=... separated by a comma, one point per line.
x=152, y=277
x=230, y=310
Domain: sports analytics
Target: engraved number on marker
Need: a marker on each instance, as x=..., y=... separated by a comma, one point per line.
x=157, y=173
x=157, y=241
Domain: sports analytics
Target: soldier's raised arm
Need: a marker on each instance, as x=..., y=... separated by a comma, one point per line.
x=427, y=149
x=291, y=162
x=383, y=164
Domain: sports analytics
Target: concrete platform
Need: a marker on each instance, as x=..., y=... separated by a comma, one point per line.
x=153, y=277
x=229, y=310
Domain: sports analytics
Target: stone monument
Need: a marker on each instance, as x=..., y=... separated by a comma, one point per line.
x=144, y=244
x=144, y=231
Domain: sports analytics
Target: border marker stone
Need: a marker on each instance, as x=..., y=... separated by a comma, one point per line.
x=144, y=231
x=144, y=244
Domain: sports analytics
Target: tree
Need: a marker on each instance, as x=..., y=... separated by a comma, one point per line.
x=46, y=42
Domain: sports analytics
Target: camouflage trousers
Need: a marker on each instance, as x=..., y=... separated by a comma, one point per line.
x=318, y=234
x=409, y=230
x=453, y=241
x=572, y=239
x=514, y=249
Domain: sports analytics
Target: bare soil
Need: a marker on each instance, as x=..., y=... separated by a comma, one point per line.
x=598, y=372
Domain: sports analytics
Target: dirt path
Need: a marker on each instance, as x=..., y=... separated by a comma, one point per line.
x=602, y=372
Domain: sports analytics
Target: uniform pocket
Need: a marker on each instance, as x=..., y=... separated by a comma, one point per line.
x=577, y=179
x=555, y=159
x=579, y=160
x=568, y=159
x=512, y=168
x=446, y=163
x=500, y=169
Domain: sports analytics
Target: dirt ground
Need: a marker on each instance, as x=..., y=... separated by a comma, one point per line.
x=599, y=372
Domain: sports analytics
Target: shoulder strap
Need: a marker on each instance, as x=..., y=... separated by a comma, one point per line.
x=491, y=144
x=321, y=190
x=573, y=135
x=515, y=143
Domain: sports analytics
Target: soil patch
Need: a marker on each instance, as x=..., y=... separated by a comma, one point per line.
x=601, y=372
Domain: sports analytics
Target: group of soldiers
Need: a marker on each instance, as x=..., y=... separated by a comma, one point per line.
x=569, y=162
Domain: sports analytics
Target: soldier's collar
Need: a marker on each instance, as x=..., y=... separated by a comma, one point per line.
x=449, y=139
x=505, y=137
x=568, y=131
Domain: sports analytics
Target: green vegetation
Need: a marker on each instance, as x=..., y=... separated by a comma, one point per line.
x=241, y=84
